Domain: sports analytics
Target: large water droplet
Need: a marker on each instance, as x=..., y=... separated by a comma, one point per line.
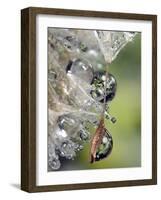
x=105, y=147
x=98, y=84
x=82, y=69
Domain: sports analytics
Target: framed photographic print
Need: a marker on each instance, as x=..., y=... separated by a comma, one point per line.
x=88, y=99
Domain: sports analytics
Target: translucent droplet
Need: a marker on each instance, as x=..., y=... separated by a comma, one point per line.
x=108, y=116
x=98, y=87
x=105, y=147
x=54, y=164
x=67, y=149
x=82, y=69
x=61, y=133
x=78, y=147
x=68, y=123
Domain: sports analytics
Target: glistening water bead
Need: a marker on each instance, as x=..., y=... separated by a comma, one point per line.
x=82, y=69
x=54, y=164
x=105, y=147
x=68, y=123
x=98, y=85
x=67, y=149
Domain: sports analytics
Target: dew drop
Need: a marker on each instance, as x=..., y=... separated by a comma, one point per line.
x=67, y=149
x=105, y=147
x=54, y=164
x=98, y=84
x=82, y=69
x=113, y=120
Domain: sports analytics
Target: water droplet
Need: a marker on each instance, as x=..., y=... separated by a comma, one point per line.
x=83, y=47
x=83, y=70
x=68, y=123
x=78, y=147
x=67, y=149
x=105, y=147
x=113, y=120
x=54, y=164
x=97, y=91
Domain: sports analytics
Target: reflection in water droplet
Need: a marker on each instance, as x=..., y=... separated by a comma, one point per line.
x=105, y=147
x=98, y=84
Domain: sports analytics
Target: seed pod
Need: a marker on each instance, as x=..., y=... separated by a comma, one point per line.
x=97, y=139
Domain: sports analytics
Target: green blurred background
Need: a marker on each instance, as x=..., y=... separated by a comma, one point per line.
x=126, y=107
